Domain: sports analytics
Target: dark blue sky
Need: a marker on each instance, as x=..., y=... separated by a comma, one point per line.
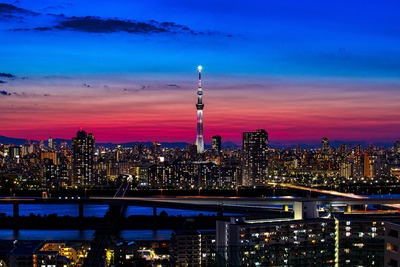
x=279, y=65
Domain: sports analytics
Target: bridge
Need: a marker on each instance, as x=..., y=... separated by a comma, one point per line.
x=245, y=205
x=106, y=229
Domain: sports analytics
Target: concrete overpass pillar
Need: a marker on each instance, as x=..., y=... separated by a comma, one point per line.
x=15, y=210
x=15, y=216
x=348, y=208
x=154, y=217
x=81, y=210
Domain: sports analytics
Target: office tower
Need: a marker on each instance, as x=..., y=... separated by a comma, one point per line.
x=397, y=147
x=343, y=149
x=325, y=145
x=14, y=151
x=82, y=158
x=346, y=170
x=216, y=143
x=49, y=155
x=368, y=165
x=41, y=144
x=358, y=149
x=199, y=107
x=255, y=158
x=50, y=142
x=49, y=173
x=63, y=144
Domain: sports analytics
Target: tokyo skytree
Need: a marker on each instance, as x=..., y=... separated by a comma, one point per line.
x=199, y=107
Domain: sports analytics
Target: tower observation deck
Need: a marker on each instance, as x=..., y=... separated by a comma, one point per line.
x=199, y=107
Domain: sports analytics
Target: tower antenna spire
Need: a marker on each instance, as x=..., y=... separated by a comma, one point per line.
x=199, y=107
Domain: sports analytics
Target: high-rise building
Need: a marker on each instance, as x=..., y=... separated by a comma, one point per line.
x=358, y=149
x=397, y=147
x=255, y=158
x=368, y=165
x=346, y=170
x=343, y=150
x=360, y=238
x=50, y=143
x=199, y=107
x=301, y=241
x=325, y=145
x=14, y=151
x=82, y=158
x=216, y=143
x=191, y=247
x=392, y=244
x=341, y=239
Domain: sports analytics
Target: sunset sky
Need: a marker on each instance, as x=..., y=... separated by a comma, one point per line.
x=127, y=70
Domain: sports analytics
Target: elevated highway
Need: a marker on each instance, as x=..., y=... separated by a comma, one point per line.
x=224, y=204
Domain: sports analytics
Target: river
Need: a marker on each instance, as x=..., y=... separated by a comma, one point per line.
x=89, y=210
x=83, y=235
x=97, y=211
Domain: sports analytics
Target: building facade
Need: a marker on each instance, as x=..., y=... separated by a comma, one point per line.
x=255, y=158
x=82, y=159
x=217, y=143
x=278, y=242
x=392, y=244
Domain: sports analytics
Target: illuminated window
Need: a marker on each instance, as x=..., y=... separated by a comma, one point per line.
x=392, y=247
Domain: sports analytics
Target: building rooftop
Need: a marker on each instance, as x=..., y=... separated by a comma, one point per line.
x=27, y=247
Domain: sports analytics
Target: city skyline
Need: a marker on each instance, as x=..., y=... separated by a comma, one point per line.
x=301, y=71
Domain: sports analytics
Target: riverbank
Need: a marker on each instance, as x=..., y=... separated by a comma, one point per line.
x=265, y=191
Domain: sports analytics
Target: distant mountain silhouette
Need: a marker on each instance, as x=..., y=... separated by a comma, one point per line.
x=225, y=145
x=12, y=141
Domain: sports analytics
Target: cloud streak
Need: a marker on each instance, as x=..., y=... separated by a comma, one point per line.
x=91, y=24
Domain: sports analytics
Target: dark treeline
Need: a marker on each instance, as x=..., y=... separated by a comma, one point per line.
x=136, y=222
x=361, y=189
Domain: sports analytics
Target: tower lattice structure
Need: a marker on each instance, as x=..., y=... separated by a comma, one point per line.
x=199, y=107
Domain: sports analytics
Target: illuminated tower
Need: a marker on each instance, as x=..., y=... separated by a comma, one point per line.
x=199, y=107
